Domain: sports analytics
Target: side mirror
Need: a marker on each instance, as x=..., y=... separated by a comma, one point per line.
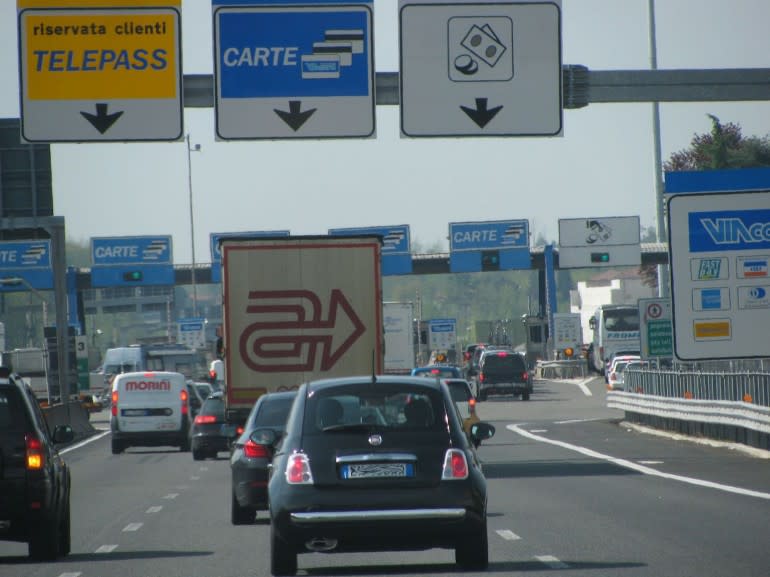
x=481, y=431
x=263, y=437
x=63, y=434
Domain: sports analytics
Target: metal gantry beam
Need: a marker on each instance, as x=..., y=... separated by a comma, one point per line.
x=582, y=86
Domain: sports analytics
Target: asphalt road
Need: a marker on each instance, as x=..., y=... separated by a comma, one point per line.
x=573, y=491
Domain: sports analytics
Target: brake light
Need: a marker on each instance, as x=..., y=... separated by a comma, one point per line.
x=434, y=371
x=298, y=470
x=183, y=397
x=481, y=377
x=472, y=405
x=205, y=420
x=502, y=354
x=239, y=430
x=114, y=403
x=455, y=465
x=525, y=376
x=34, y=452
x=213, y=375
x=252, y=449
x=467, y=356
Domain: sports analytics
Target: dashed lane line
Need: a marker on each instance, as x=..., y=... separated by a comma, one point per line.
x=132, y=527
x=154, y=509
x=508, y=535
x=106, y=549
x=552, y=562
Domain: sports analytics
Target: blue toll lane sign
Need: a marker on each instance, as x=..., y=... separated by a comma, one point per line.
x=131, y=260
x=492, y=245
x=293, y=70
x=396, y=246
x=216, y=253
x=28, y=260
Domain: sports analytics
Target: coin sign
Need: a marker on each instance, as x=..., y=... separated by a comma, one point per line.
x=654, y=310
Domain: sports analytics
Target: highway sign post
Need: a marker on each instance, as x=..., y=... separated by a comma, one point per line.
x=131, y=261
x=92, y=72
x=480, y=69
x=719, y=251
x=656, y=328
x=599, y=242
x=293, y=70
x=490, y=245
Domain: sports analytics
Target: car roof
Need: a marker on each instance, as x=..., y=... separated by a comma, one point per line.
x=279, y=395
x=378, y=379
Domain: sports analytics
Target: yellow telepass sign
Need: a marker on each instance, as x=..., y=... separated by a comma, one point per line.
x=110, y=52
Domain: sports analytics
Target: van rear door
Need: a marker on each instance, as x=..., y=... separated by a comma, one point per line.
x=150, y=401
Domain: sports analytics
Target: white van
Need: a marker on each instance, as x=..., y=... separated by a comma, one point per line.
x=150, y=409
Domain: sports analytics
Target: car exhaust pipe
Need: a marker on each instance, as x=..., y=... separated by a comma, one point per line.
x=321, y=544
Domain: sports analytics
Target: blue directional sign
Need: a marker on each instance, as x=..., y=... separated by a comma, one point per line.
x=216, y=253
x=131, y=260
x=504, y=243
x=396, y=249
x=293, y=69
x=28, y=260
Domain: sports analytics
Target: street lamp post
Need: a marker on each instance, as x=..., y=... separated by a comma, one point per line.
x=190, y=149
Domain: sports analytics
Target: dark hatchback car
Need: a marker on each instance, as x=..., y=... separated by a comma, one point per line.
x=377, y=464
x=502, y=372
x=209, y=433
x=34, y=479
x=251, y=456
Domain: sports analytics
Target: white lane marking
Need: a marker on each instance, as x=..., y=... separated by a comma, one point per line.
x=194, y=478
x=508, y=535
x=650, y=462
x=155, y=509
x=75, y=574
x=204, y=468
x=552, y=561
x=171, y=496
x=583, y=387
x=132, y=527
x=182, y=487
x=572, y=421
x=538, y=431
x=83, y=443
x=640, y=468
x=106, y=549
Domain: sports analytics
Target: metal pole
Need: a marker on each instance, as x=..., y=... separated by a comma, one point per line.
x=660, y=221
x=190, y=149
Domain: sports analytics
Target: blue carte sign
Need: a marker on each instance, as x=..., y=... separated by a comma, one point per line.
x=30, y=260
x=303, y=50
x=396, y=246
x=501, y=234
x=131, y=250
x=509, y=239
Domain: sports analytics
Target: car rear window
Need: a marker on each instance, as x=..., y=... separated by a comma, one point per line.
x=273, y=412
x=460, y=391
x=402, y=408
x=503, y=362
x=438, y=372
x=12, y=415
x=214, y=406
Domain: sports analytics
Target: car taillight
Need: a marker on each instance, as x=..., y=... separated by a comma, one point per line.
x=472, y=406
x=481, y=377
x=467, y=356
x=114, y=403
x=205, y=420
x=34, y=452
x=252, y=449
x=298, y=470
x=525, y=376
x=455, y=465
x=239, y=430
x=613, y=376
x=183, y=397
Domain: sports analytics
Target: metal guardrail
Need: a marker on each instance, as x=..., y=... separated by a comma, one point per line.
x=745, y=386
x=562, y=369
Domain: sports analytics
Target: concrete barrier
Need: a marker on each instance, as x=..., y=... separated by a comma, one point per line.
x=72, y=414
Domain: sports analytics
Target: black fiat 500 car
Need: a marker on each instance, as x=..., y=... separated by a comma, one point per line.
x=377, y=464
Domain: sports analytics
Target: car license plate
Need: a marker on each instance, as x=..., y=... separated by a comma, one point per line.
x=134, y=412
x=227, y=430
x=377, y=470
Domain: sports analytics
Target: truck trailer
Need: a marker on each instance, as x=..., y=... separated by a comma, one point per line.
x=296, y=309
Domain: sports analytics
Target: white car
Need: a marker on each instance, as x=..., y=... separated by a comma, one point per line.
x=614, y=374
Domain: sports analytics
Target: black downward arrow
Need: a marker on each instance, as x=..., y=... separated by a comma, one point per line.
x=480, y=115
x=102, y=121
x=294, y=118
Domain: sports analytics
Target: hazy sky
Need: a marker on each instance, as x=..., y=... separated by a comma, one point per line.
x=602, y=166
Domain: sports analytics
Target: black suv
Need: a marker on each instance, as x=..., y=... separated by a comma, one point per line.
x=34, y=479
x=502, y=372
